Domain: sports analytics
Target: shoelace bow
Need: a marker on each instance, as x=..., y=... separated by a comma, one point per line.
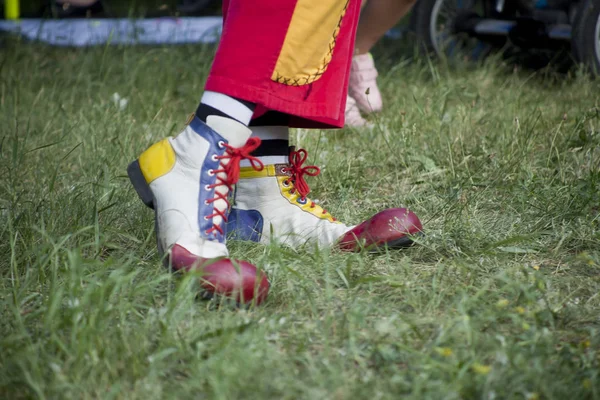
x=232, y=175
x=297, y=158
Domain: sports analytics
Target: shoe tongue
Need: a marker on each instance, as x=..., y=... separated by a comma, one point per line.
x=234, y=132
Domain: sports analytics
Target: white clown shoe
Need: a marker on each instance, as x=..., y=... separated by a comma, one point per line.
x=272, y=204
x=187, y=180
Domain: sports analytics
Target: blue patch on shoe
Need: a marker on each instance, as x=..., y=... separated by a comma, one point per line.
x=213, y=138
x=245, y=225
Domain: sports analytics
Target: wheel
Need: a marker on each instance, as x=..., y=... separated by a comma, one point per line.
x=435, y=21
x=586, y=35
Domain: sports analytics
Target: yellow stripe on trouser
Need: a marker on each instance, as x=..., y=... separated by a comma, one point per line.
x=309, y=42
x=157, y=161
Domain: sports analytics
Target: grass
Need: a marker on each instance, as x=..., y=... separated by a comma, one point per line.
x=499, y=300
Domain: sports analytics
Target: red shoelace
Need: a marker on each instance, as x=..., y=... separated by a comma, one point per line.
x=232, y=172
x=297, y=158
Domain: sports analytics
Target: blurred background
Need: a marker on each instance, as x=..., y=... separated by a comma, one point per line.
x=533, y=33
x=138, y=8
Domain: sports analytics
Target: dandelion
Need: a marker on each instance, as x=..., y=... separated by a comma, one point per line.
x=444, y=351
x=55, y=367
x=72, y=303
x=520, y=310
x=120, y=102
x=502, y=303
x=481, y=369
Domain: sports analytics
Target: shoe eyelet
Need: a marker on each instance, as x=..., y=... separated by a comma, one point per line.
x=210, y=172
x=206, y=203
x=206, y=219
x=286, y=183
x=301, y=201
x=207, y=188
x=221, y=144
x=214, y=158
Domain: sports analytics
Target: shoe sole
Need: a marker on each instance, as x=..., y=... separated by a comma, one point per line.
x=400, y=243
x=136, y=177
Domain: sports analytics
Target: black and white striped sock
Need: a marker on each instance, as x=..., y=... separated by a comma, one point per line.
x=214, y=103
x=272, y=129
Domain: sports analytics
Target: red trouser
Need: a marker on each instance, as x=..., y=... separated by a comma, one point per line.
x=291, y=56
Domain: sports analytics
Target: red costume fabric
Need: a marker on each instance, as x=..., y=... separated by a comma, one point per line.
x=291, y=56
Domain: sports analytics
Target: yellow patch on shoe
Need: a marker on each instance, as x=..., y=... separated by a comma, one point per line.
x=157, y=161
x=291, y=194
x=268, y=170
x=309, y=42
x=282, y=175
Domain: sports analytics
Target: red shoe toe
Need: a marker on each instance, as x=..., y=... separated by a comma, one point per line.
x=239, y=280
x=392, y=228
x=181, y=259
